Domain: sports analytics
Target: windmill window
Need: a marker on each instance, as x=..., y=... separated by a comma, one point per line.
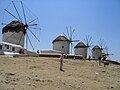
x=13, y=48
x=7, y=46
x=62, y=46
x=0, y=47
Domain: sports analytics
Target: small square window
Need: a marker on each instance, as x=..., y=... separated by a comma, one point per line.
x=62, y=46
x=0, y=47
x=13, y=48
x=7, y=46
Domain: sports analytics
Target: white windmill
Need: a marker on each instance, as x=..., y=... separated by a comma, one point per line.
x=104, y=48
x=107, y=52
x=20, y=25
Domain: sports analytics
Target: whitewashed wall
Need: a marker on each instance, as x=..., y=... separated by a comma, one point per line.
x=59, y=44
x=8, y=47
x=15, y=38
x=96, y=53
x=81, y=51
x=1, y=52
x=4, y=48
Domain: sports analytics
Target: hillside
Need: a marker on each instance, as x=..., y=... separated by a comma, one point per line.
x=40, y=73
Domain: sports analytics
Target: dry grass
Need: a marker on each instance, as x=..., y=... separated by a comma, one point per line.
x=39, y=73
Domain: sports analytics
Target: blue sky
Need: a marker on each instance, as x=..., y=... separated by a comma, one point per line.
x=98, y=18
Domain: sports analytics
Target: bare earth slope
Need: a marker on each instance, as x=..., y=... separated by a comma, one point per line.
x=39, y=73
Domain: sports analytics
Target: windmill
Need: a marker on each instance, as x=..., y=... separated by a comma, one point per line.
x=70, y=33
x=104, y=48
x=88, y=43
x=106, y=52
x=22, y=20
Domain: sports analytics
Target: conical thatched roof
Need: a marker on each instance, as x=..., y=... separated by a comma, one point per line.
x=61, y=38
x=96, y=47
x=14, y=26
x=80, y=45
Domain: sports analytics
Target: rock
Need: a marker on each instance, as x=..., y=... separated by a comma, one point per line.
x=36, y=79
x=82, y=82
x=7, y=82
x=34, y=85
x=79, y=87
x=69, y=75
x=10, y=74
x=36, y=75
x=112, y=87
x=103, y=71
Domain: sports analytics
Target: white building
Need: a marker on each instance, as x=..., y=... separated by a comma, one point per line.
x=61, y=43
x=12, y=49
x=96, y=52
x=6, y=48
x=81, y=49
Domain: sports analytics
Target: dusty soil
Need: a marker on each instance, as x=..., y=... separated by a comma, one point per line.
x=39, y=73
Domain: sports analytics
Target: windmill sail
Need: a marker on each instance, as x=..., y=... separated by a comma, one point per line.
x=20, y=29
x=88, y=43
x=70, y=33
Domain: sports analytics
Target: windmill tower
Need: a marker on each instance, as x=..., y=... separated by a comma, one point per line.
x=88, y=43
x=70, y=33
x=18, y=30
x=61, y=43
x=96, y=52
x=81, y=49
x=14, y=33
x=100, y=50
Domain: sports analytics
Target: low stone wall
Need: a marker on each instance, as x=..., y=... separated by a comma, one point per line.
x=113, y=62
x=58, y=56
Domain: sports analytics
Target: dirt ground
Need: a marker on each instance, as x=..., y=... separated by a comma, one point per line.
x=40, y=73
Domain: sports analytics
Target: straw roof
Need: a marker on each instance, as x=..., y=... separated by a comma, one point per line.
x=61, y=38
x=80, y=45
x=96, y=47
x=14, y=26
